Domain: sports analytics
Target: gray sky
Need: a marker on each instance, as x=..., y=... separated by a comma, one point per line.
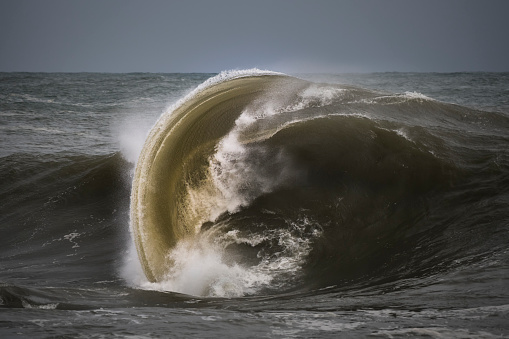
x=282, y=35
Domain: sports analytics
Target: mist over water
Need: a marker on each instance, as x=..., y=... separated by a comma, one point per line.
x=346, y=205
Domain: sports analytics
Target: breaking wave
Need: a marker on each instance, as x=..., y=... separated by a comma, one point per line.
x=259, y=183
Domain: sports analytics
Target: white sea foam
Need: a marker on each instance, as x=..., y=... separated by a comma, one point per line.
x=69, y=237
x=199, y=269
x=416, y=95
x=26, y=304
x=402, y=132
x=316, y=96
x=200, y=266
x=237, y=178
x=395, y=98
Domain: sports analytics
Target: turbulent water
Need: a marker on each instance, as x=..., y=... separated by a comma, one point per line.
x=253, y=203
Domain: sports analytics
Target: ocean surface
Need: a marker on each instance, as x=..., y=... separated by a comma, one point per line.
x=254, y=204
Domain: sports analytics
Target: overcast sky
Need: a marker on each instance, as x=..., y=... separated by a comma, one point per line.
x=283, y=35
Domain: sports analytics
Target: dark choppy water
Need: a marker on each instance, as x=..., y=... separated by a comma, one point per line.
x=422, y=251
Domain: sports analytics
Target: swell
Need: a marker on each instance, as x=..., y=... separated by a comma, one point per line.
x=57, y=211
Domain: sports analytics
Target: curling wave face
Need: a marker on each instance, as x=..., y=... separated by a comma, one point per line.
x=259, y=182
